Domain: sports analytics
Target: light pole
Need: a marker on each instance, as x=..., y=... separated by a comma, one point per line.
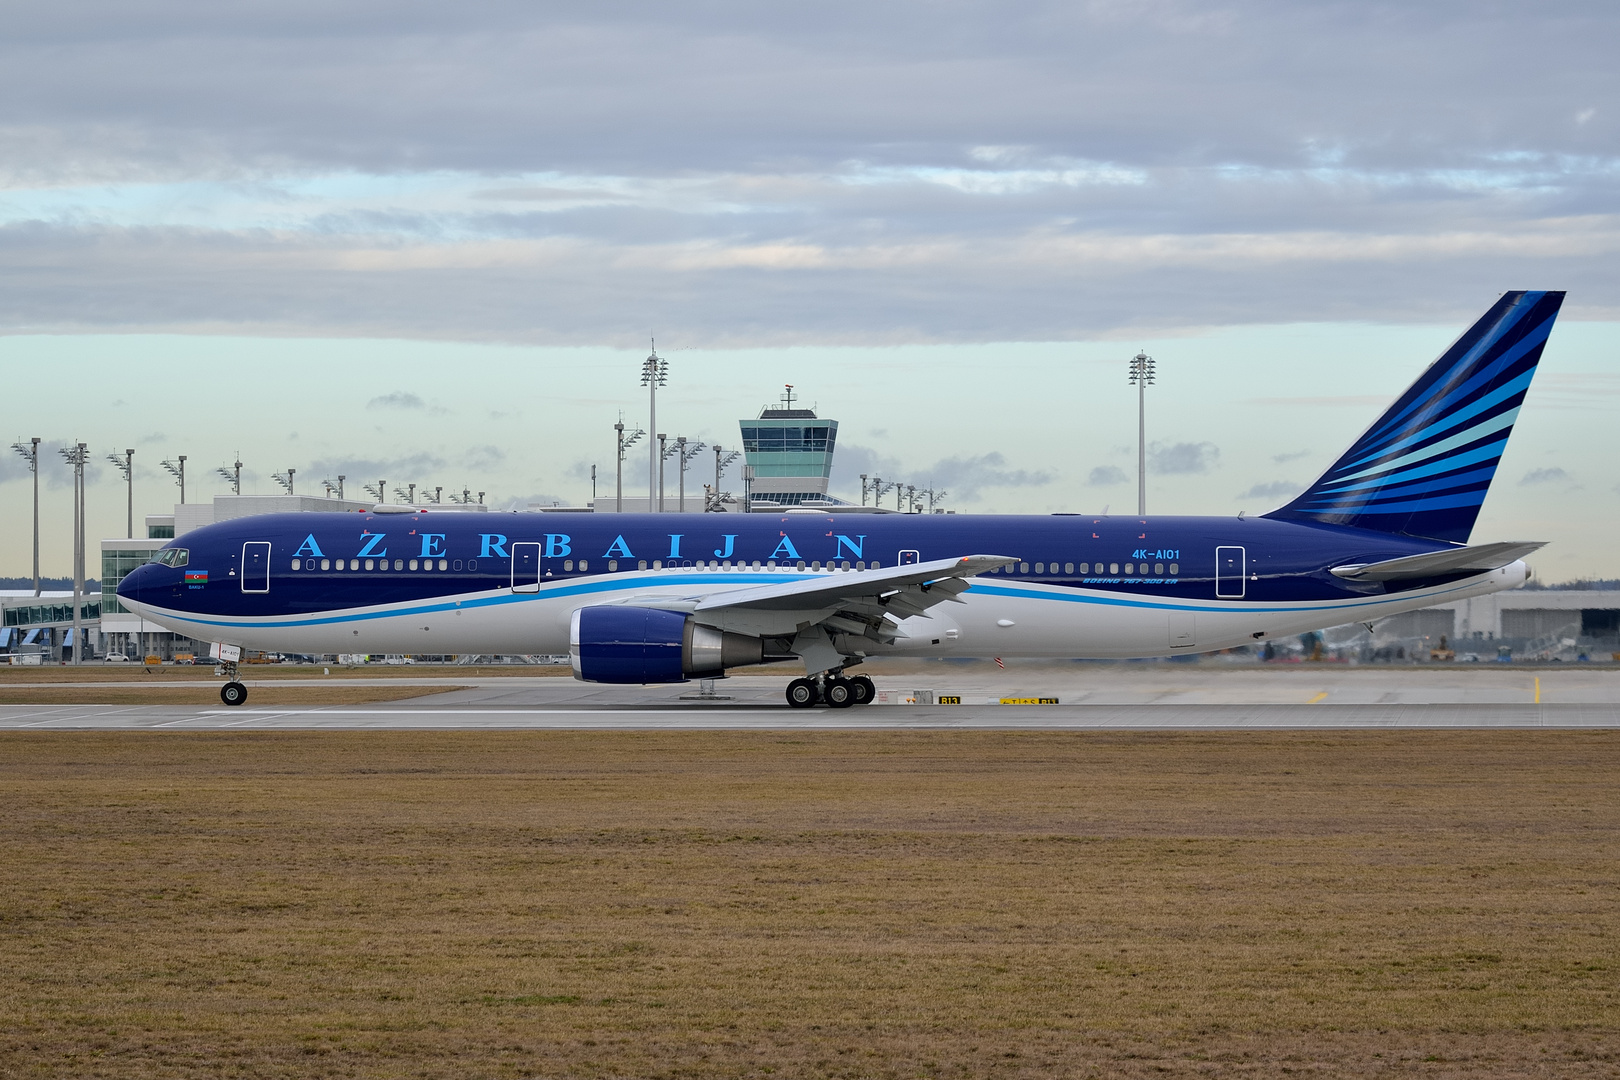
x=285, y=479
x=234, y=478
x=654, y=373
x=863, y=489
x=178, y=471
x=685, y=452
x=1142, y=378
x=662, y=454
x=126, y=465
x=721, y=460
x=30, y=453
x=748, y=489
x=625, y=442
x=75, y=456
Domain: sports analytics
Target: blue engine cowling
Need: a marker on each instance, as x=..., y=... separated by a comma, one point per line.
x=611, y=644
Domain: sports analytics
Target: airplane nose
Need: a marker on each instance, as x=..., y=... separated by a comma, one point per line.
x=134, y=584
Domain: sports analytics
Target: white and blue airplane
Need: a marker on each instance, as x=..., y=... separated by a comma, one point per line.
x=651, y=598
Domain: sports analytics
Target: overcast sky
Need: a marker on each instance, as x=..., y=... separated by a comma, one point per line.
x=897, y=202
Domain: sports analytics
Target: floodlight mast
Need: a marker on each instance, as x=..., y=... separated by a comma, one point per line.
x=76, y=456
x=654, y=373
x=30, y=453
x=126, y=465
x=1142, y=378
x=234, y=474
x=625, y=442
x=178, y=471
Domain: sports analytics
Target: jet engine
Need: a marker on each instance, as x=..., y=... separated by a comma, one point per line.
x=612, y=644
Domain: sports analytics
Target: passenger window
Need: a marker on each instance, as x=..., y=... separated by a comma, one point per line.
x=568, y=564
x=876, y=565
x=413, y=564
x=1068, y=568
x=1040, y=568
x=1158, y=568
x=457, y=565
x=1175, y=568
x=326, y=564
x=399, y=564
x=298, y=564
x=1023, y=568
x=1113, y=567
x=658, y=564
x=583, y=565
x=1130, y=569
x=472, y=564
x=371, y=564
x=861, y=565
x=443, y=563
x=1085, y=568
x=813, y=566
x=613, y=564
x=642, y=565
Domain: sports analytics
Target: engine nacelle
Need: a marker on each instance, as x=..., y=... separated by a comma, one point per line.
x=645, y=645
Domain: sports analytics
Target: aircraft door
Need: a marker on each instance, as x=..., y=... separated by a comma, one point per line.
x=1183, y=630
x=908, y=557
x=1230, y=575
x=256, y=566
x=526, y=567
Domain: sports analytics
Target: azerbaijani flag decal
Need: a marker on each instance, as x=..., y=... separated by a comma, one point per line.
x=196, y=577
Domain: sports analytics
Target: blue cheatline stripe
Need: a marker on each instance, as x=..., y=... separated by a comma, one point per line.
x=1455, y=419
x=1514, y=315
x=1059, y=594
x=1427, y=502
x=1437, y=479
x=1501, y=424
x=1486, y=455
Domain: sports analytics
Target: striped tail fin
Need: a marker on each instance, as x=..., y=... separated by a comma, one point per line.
x=1424, y=467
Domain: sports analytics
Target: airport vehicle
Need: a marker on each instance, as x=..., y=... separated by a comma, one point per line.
x=652, y=598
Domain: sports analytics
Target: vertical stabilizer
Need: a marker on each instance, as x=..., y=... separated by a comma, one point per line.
x=1423, y=469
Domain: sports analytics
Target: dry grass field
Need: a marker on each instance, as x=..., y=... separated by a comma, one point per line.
x=849, y=904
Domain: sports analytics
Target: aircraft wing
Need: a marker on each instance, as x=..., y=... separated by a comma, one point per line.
x=1463, y=560
x=826, y=616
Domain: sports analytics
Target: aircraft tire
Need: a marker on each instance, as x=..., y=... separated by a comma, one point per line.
x=233, y=693
x=840, y=694
x=865, y=689
x=802, y=694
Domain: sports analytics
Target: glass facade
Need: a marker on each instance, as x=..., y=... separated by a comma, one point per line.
x=42, y=614
x=114, y=565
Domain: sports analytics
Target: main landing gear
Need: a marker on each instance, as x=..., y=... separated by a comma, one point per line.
x=233, y=693
x=832, y=689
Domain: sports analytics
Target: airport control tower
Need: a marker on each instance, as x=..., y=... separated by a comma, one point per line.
x=791, y=450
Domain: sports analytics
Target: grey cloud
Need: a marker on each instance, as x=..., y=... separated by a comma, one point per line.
x=1173, y=458
x=1275, y=489
x=776, y=175
x=1294, y=455
x=1106, y=476
x=967, y=477
x=1544, y=476
x=399, y=399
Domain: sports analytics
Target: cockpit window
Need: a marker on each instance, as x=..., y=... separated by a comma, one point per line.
x=173, y=556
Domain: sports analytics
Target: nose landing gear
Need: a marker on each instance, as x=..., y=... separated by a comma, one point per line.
x=233, y=693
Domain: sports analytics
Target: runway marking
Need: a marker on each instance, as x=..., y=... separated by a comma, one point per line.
x=1317, y=698
x=1538, y=690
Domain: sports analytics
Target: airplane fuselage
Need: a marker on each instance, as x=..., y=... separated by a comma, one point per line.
x=1083, y=585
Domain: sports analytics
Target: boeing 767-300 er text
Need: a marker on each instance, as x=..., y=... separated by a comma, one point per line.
x=656, y=598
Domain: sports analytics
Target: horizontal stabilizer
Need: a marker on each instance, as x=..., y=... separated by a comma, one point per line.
x=1466, y=560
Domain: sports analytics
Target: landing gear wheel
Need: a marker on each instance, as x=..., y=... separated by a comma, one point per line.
x=802, y=694
x=839, y=693
x=233, y=693
x=864, y=689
